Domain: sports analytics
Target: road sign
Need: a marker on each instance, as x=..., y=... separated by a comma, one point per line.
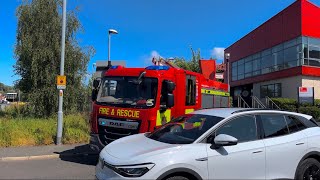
x=306, y=95
x=61, y=82
x=219, y=75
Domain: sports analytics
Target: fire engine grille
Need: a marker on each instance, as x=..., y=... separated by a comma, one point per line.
x=108, y=134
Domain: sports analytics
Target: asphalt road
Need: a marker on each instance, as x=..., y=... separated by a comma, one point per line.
x=66, y=168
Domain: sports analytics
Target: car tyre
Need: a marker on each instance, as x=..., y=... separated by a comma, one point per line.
x=308, y=169
x=177, y=178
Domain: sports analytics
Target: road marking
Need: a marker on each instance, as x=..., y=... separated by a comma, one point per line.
x=23, y=158
x=51, y=156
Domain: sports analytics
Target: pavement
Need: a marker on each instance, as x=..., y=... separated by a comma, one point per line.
x=44, y=152
x=75, y=161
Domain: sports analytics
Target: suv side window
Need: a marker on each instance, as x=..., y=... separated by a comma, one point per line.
x=294, y=124
x=274, y=125
x=243, y=128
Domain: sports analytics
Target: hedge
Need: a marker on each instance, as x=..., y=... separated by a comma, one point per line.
x=292, y=105
x=312, y=110
x=286, y=104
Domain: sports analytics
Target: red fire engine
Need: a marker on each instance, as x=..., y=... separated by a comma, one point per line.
x=128, y=101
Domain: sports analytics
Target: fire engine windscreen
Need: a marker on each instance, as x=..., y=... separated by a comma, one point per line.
x=128, y=92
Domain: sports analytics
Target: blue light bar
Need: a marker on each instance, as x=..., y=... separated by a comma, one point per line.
x=157, y=68
x=114, y=67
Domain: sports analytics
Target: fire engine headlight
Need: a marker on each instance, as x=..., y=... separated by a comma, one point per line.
x=133, y=171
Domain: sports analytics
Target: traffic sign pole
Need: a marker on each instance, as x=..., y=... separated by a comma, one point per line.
x=63, y=39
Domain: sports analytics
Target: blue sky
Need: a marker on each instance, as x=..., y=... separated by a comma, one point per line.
x=150, y=27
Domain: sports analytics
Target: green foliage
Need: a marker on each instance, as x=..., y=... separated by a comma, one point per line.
x=4, y=88
x=311, y=110
x=14, y=110
x=292, y=105
x=317, y=102
x=191, y=65
x=42, y=131
x=286, y=104
x=37, y=51
x=289, y=101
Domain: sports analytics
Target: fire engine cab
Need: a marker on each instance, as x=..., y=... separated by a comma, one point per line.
x=128, y=101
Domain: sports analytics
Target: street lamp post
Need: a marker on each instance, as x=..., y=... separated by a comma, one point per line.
x=63, y=39
x=227, y=57
x=110, y=32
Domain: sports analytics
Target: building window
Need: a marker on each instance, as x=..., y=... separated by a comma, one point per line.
x=314, y=52
x=286, y=55
x=270, y=90
x=296, y=52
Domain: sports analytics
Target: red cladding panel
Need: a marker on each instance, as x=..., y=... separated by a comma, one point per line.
x=208, y=68
x=282, y=27
x=311, y=71
x=310, y=19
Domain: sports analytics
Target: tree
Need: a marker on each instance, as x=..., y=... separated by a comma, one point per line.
x=37, y=51
x=192, y=65
x=4, y=88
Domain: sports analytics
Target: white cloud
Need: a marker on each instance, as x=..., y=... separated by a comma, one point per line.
x=155, y=54
x=218, y=53
x=147, y=59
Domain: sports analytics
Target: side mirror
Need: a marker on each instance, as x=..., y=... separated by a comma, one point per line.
x=94, y=94
x=170, y=101
x=96, y=83
x=170, y=86
x=224, y=140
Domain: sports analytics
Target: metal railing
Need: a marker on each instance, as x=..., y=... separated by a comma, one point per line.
x=271, y=104
x=256, y=103
x=242, y=103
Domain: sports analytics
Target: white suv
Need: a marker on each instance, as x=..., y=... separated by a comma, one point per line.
x=219, y=144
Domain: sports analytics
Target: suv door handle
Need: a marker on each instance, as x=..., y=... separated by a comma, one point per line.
x=202, y=159
x=300, y=143
x=256, y=152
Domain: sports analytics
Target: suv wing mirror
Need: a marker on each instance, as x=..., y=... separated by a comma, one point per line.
x=224, y=140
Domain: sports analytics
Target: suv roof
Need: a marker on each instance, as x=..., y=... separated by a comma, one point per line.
x=226, y=112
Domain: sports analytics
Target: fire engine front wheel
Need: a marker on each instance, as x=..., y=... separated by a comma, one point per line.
x=95, y=143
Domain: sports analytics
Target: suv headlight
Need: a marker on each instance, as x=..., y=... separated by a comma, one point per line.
x=136, y=170
x=133, y=170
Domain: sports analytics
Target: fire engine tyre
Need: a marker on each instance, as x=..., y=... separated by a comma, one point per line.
x=177, y=178
x=308, y=169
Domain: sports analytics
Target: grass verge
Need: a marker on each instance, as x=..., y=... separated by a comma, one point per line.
x=32, y=131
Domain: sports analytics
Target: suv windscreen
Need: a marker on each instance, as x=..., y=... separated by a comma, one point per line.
x=185, y=129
